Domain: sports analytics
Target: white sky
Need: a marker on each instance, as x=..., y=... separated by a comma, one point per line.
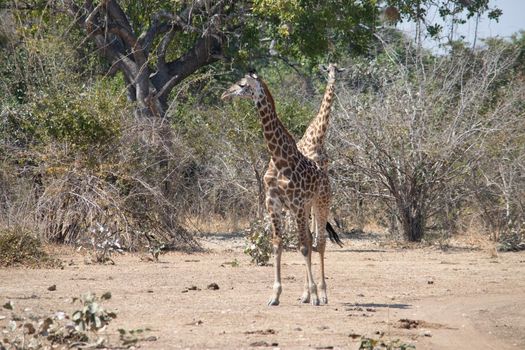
x=511, y=21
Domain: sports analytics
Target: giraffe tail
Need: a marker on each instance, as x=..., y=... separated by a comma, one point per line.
x=332, y=234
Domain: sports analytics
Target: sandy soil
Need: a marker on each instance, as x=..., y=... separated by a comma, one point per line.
x=455, y=299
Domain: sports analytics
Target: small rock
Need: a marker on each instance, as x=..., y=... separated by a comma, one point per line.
x=213, y=286
x=52, y=288
x=262, y=332
x=193, y=288
x=29, y=328
x=354, y=335
x=195, y=323
x=426, y=334
x=430, y=282
x=263, y=343
x=151, y=338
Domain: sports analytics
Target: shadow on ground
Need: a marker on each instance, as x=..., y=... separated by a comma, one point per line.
x=376, y=305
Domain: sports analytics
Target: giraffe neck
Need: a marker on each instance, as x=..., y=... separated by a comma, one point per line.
x=314, y=135
x=280, y=143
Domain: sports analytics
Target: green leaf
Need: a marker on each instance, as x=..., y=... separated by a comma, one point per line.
x=77, y=315
x=8, y=305
x=98, y=322
x=81, y=326
x=93, y=308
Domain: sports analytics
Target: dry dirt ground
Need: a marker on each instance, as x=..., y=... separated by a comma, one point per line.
x=455, y=299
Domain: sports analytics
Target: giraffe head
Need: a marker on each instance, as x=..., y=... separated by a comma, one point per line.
x=250, y=87
x=332, y=70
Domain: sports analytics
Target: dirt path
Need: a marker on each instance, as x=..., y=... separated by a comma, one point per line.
x=460, y=299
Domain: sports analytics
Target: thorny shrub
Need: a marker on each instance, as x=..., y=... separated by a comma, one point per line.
x=19, y=247
x=513, y=240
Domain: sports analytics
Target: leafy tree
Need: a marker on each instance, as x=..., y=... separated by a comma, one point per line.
x=453, y=12
x=157, y=44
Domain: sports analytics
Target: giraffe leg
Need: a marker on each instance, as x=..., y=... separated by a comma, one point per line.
x=321, y=215
x=277, y=287
x=322, y=283
x=305, y=247
x=275, y=209
x=305, y=298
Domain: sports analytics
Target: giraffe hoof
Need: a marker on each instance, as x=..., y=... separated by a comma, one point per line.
x=273, y=302
x=305, y=298
x=324, y=300
x=315, y=301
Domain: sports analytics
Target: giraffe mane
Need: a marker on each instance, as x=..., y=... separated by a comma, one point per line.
x=272, y=105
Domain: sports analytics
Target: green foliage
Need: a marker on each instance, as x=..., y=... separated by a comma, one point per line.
x=310, y=30
x=82, y=329
x=258, y=242
x=259, y=239
x=92, y=316
x=19, y=247
x=47, y=99
x=133, y=336
x=458, y=11
x=378, y=344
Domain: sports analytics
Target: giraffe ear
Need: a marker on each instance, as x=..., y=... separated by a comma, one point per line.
x=339, y=70
x=253, y=73
x=323, y=68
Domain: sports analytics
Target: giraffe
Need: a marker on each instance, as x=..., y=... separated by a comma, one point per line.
x=312, y=142
x=293, y=184
x=312, y=146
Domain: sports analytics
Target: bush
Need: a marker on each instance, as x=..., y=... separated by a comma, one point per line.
x=258, y=242
x=513, y=240
x=18, y=247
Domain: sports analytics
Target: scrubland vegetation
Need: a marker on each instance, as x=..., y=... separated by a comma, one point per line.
x=103, y=142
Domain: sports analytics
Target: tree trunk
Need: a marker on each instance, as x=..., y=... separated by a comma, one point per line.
x=413, y=221
x=149, y=77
